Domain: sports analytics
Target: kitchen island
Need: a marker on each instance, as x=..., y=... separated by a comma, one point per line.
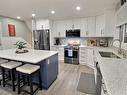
x=47, y=60
x=113, y=72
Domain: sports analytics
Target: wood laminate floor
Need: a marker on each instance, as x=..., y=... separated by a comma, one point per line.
x=66, y=83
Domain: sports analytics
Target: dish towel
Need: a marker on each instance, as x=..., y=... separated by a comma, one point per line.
x=70, y=52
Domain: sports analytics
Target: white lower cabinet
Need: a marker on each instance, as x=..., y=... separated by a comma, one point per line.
x=86, y=56
x=90, y=57
x=61, y=53
x=82, y=56
x=54, y=48
x=103, y=89
x=60, y=50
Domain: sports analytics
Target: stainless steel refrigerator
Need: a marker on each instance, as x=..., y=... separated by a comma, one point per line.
x=41, y=39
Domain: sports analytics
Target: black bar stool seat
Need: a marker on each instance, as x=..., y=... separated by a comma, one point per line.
x=29, y=71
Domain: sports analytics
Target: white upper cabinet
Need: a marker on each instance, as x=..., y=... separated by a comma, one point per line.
x=100, y=25
x=54, y=32
x=58, y=28
x=110, y=23
x=84, y=28
x=69, y=24
x=105, y=24
x=91, y=26
x=61, y=28
x=42, y=24
x=86, y=25
x=77, y=23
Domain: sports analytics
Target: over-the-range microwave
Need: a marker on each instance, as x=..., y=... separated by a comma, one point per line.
x=73, y=33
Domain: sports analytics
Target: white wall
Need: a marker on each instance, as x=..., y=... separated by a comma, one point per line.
x=21, y=28
x=29, y=24
x=122, y=15
x=8, y=42
x=121, y=18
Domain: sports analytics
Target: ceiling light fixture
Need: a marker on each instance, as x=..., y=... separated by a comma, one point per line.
x=78, y=8
x=52, y=12
x=18, y=17
x=33, y=15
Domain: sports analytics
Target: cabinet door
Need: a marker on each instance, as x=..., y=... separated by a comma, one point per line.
x=54, y=48
x=61, y=28
x=61, y=53
x=100, y=20
x=84, y=27
x=42, y=24
x=110, y=24
x=91, y=26
x=69, y=24
x=90, y=57
x=82, y=56
x=54, y=29
x=77, y=23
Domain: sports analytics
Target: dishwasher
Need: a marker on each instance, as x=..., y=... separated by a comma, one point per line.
x=100, y=85
x=98, y=79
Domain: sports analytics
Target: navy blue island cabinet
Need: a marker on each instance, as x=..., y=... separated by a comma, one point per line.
x=49, y=71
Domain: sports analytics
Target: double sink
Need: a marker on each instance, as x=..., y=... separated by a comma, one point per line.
x=109, y=55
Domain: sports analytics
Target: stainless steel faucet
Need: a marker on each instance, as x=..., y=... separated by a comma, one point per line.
x=120, y=49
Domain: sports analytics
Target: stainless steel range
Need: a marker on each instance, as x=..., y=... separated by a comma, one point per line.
x=71, y=54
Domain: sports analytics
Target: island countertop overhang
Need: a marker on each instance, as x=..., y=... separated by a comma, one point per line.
x=33, y=56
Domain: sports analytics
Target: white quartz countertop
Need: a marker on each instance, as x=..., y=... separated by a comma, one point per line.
x=33, y=56
x=114, y=72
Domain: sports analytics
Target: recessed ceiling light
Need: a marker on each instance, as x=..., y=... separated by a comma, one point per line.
x=78, y=8
x=52, y=12
x=33, y=15
x=18, y=17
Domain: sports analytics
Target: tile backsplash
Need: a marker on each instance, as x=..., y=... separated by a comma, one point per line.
x=65, y=41
x=83, y=41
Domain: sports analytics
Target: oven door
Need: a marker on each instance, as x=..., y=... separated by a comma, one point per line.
x=71, y=56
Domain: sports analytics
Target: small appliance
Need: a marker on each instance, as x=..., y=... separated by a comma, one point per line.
x=103, y=42
x=73, y=33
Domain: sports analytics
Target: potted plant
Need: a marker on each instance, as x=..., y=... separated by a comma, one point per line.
x=21, y=47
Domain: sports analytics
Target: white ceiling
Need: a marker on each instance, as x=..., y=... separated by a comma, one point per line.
x=63, y=8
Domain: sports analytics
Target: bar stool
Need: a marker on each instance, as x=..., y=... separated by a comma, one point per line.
x=29, y=71
x=11, y=67
x=1, y=62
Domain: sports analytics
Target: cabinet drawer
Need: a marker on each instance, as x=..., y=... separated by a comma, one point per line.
x=82, y=62
x=82, y=49
x=82, y=59
x=82, y=52
x=82, y=55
